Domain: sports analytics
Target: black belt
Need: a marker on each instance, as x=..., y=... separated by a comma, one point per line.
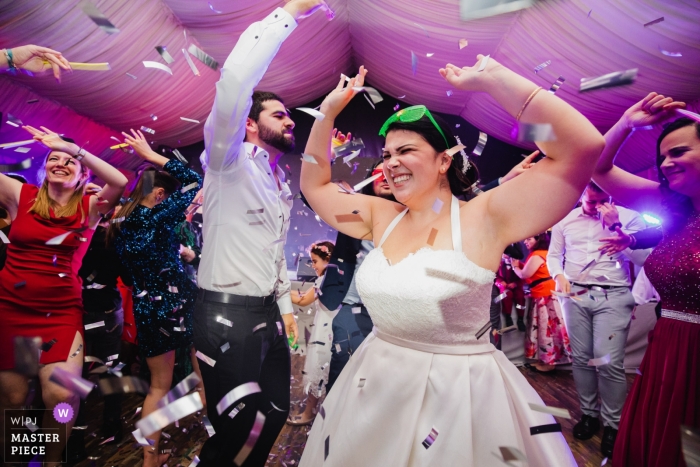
x=604, y=287
x=538, y=281
x=231, y=299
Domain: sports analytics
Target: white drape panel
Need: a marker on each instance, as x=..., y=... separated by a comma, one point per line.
x=380, y=34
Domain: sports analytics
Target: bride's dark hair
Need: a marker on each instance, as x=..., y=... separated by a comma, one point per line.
x=460, y=182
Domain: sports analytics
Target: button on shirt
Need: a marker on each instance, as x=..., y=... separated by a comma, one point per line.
x=246, y=213
x=575, y=242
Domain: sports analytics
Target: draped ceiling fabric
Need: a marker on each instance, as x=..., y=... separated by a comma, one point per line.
x=583, y=38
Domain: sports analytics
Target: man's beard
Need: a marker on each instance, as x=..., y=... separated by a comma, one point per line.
x=277, y=140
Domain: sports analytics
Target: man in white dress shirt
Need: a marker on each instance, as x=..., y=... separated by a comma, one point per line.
x=599, y=312
x=244, y=289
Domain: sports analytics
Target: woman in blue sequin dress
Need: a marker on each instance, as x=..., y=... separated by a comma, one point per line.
x=145, y=235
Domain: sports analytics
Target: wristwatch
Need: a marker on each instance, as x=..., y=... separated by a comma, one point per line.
x=615, y=225
x=79, y=155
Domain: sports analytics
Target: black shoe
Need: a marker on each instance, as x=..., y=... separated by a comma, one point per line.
x=587, y=427
x=112, y=428
x=608, y=441
x=521, y=324
x=75, y=448
x=509, y=321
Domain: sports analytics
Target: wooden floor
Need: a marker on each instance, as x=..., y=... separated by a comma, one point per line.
x=557, y=390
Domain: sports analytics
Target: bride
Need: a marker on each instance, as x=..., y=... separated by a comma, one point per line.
x=422, y=390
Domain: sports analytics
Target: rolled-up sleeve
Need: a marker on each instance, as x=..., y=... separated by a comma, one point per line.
x=284, y=287
x=555, y=256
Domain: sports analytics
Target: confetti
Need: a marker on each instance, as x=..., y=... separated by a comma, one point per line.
x=508, y=329
x=690, y=444
x=73, y=383
x=222, y=320
x=479, y=148
x=98, y=17
x=569, y=294
x=75, y=354
x=532, y=132
x=449, y=93
x=225, y=347
x=348, y=147
x=556, y=85
x=557, y=412
x=140, y=438
x=189, y=187
x=252, y=439
x=182, y=388
x=414, y=64
x=194, y=69
x=33, y=101
x=130, y=75
x=484, y=62
x=211, y=362
x=361, y=382
x=25, y=164
x=343, y=218
x=46, y=346
x=551, y=428
x=600, y=361
x=158, y=66
x=656, y=21
x=511, y=454
x=689, y=114
x=4, y=238
x=670, y=54
x=373, y=93
x=326, y=447
x=430, y=439
x=437, y=205
x=366, y=182
x=119, y=146
x=424, y=30
x=17, y=143
x=236, y=409
x=483, y=330
x=432, y=236
x=20, y=284
x=313, y=112
x=356, y=310
x=163, y=417
x=95, y=325
x=455, y=149
x=236, y=394
x=211, y=7
x=123, y=385
x=90, y=66
x=32, y=427
x=396, y=107
x=255, y=211
x=203, y=57
x=542, y=66
x=27, y=351
x=148, y=130
x=350, y=157
x=616, y=78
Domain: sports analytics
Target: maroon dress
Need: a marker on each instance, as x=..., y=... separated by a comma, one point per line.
x=40, y=291
x=667, y=394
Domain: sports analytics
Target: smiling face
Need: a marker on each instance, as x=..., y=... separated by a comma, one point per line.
x=412, y=166
x=62, y=169
x=318, y=264
x=680, y=151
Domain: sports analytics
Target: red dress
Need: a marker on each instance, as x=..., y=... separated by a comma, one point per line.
x=40, y=291
x=667, y=394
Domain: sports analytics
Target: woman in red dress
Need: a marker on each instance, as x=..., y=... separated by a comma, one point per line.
x=40, y=291
x=667, y=394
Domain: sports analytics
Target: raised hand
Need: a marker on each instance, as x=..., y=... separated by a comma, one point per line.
x=39, y=60
x=608, y=214
x=615, y=244
x=52, y=140
x=137, y=141
x=654, y=108
x=301, y=9
x=520, y=168
x=469, y=78
x=341, y=96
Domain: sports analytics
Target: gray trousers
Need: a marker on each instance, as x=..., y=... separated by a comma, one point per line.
x=597, y=327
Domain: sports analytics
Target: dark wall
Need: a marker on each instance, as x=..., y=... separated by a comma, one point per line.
x=364, y=122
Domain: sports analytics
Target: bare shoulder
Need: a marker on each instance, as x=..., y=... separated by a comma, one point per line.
x=383, y=212
x=480, y=241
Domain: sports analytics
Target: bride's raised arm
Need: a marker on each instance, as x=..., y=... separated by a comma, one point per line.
x=539, y=198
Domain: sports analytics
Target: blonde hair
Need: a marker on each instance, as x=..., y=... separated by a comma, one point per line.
x=43, y=203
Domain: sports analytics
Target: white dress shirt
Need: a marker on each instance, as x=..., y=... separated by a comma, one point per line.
x=575, y=242
x=246, y=214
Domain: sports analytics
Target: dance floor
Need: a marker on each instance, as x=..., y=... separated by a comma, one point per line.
x=556, y=390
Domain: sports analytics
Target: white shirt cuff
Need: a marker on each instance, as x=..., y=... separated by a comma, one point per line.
x=285, y=305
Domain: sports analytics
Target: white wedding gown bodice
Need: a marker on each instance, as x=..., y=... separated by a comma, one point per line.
x=421, y=390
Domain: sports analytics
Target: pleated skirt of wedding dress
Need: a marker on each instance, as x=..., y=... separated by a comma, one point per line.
x=390, y=396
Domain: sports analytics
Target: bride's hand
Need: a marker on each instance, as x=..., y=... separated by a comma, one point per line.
x=469, y=78
x=341, y=96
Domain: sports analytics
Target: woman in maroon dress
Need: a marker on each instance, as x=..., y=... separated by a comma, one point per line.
x=667, y=394
x=40, y=291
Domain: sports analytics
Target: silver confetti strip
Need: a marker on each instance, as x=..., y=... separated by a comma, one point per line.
x=194, y=69
x=600, y=361
x=255, y=211
x=157, y=66
x=164, y=332
x=617, y=78
x=252, y=439
x=25, y=164
x=484, y=62
x=483, y=330
x=556, y=85
x=208, y=426
x=222, y=320
x=98, y=17
x=179, y=155
x=373, y=94
x=236, y=409
x=77, y=351
x=189, y=187
x=690, y=444
x=191, y=120
x=542, y=66
x=511, y=454
x=27, y=350
x=203, y=57
x=163, y=417
x=279, y=328
x=148, y=130
x=508, y=329
x=557, y=412
x=259, y=327
x=182, y=388
x=430, y=439
x=210, y=361
x=4, y=238
x=655, y=21
x=499, y=298
x=532, y=132
x=161, y=49
x=235, y=394
x=98, y=324
x=172, y=289
x=142, y=294
x=361, y=382
x=123, y=385
x=348, y=147
x=225, y=347
x=71, y=382
x=366, y=182
x=195, y=462
x=313, y=112
x=131, y=76
x=481, y=144
x=32, y=427
x=223, y=286
x=140, y=438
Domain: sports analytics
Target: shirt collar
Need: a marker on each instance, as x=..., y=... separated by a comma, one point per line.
x=255, y=152
x=583, y=214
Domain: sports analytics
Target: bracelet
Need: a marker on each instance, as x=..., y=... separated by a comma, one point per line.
x=80, y=154
x=10, y=62
x=527, y=102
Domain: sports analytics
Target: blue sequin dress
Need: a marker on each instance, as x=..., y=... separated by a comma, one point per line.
x=148, y=245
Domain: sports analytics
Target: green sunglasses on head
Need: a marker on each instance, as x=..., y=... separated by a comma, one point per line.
x=412, y=114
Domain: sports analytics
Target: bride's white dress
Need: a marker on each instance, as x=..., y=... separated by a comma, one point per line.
x=422, y=374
